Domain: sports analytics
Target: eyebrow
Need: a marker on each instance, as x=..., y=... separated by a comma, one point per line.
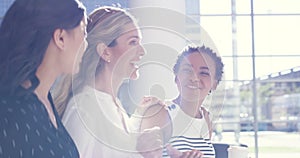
x=204, y=67
x=133, y=37
x=189, y=65
x=201, y=68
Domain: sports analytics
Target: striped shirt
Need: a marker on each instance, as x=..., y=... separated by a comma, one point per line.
x=189, y=133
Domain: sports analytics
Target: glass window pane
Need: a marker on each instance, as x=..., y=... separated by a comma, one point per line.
x=4, y=5
x=243, y=35
x=93, y=4
x=244, y=68
x=277, y=35
x=228, y=69
x=265, y=66
x=243, y=6
x=271, y=66
x=219, y=29
x=215, y=6
x=276, y=7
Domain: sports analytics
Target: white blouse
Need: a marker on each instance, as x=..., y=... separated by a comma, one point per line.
x=188, y=132
x=96, y=125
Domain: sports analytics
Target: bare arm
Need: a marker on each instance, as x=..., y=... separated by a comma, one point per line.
x=157, y=115
x=208, y=121
x=154, y=127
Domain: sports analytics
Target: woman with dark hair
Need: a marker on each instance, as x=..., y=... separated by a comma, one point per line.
x=39, y=41
x=198, y=71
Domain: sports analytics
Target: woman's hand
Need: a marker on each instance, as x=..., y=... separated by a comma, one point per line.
x=147, y=102
x=151, y=100
x=174, y=153
x=150, y=144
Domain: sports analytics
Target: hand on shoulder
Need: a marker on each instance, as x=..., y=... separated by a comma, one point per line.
x=149, y=102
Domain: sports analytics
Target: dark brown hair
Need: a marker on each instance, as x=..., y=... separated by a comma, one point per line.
x=25, y=33
x=189, y=49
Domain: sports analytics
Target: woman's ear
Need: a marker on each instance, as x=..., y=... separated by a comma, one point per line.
x=59, y=38
x=215, y=84
x=103, y=52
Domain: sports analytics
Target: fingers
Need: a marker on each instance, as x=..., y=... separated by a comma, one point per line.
x=151, y=100
x=174, y=153
x=195, y=154
x=150, y=141
x=154, y=129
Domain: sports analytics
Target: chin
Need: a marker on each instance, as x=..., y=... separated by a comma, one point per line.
x=134, y=76
x=191, y=95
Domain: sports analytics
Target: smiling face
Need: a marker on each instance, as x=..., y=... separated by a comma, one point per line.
x=196, y=76
x=127, y=53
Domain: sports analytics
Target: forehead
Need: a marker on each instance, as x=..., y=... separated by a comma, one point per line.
x=85, y=18
x=198, y=60
x=130, y=30
x=83, y=22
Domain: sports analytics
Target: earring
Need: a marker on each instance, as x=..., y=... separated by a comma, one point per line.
x=210, y=91
x=108, y=61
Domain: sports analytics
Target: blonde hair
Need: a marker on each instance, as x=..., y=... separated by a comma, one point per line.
x=105, y=26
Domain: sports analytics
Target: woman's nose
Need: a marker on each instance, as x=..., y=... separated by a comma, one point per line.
x=195, y=80
x=194, y=77
x=141, y=50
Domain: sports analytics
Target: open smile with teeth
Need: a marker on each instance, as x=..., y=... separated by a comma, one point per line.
x=135, y=64
x=193, y=87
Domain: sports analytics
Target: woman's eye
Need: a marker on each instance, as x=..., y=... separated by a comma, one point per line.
x=187, y=70
x=133, y=42
x=204, y=73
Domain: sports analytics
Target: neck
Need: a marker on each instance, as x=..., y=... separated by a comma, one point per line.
x=46, y=76
x=108, y=83
x=191, y=108
x=48, y=71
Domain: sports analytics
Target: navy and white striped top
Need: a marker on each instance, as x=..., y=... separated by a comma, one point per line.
x=189, y=133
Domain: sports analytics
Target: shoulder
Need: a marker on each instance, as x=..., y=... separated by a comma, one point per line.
x=82, y=100
x=156, y=111
x=171, y=106
x=20, y=108
x=25, y=125
x=81, y=104
x=155, y=115
x=173, y=109
x=205, y=111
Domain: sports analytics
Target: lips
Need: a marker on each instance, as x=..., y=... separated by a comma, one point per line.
x=134, y=74
x=193, y=87
x=135, y=64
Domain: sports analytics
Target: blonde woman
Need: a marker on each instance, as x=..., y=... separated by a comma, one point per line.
x=94, y=116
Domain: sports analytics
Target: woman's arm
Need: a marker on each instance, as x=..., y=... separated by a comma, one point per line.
x=155, y=127
x=208, y=121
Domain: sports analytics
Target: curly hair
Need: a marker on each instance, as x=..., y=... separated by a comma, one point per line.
x=190, y=49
